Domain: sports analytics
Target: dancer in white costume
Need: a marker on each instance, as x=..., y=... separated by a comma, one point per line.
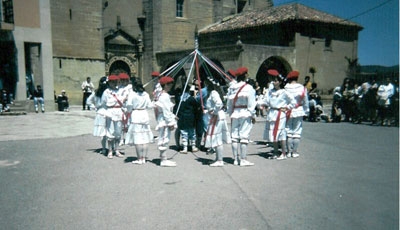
x=294, y=124
x=217, y=131
x=166, y=120
x=139, y=133
x=114, y=112
x=241, y=108
x=100, y=119
x=277, y=101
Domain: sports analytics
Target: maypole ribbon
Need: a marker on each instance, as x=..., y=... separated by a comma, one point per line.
x=187, y=81
x=198, y=82
x=212, y=64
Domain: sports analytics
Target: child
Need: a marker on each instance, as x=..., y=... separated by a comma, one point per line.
x=166, y=120
x=186, y=120
x=139, y=133
x=278, y=102
x=217, y=130
x=241, y=108
x=294, y=126
x=114, y=112
x=100, y=119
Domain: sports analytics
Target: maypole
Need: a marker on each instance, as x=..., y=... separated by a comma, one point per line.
x=187, y=81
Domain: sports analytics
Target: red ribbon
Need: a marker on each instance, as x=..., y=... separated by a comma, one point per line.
x=276, y=125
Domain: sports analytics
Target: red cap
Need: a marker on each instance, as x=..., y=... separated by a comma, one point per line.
x=241, y=71
x=166, y=80
x=155, y=74
x=113, y=78
x=232, y=72
x=273, y=72
x=293, y=75
x=123, y=76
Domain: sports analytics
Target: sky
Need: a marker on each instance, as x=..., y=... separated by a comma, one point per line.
x=378, y=42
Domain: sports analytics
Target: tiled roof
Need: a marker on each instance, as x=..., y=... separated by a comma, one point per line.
x=274, y=15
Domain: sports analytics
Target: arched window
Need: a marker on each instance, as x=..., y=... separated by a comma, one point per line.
x=179, y=8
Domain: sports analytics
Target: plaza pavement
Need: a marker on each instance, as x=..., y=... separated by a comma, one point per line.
x=52, y=177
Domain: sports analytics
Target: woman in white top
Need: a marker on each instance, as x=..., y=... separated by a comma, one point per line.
x=139, y=132
x=100, y=119
x=217, y=130
x=277, y=101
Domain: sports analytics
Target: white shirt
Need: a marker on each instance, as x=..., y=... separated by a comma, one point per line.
x=385, y=92
x=95, y=101
x=296, y=90
x=113, y=107
x=275, y=100
x=165, y=116
x=138, y=103
x=214, y=105
x=87, y=87
x=245, y=99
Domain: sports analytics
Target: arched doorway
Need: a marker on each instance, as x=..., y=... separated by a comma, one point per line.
x=274, y=62
x=119, y=67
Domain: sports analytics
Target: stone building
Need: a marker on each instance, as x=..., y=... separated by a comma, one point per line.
x=78, y=45
x=287, y=37
x=250, y=33
x=26, y=48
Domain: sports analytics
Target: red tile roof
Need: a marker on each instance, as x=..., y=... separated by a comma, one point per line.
x=279, y=14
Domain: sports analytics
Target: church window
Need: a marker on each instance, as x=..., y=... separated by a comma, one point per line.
x=179, y=8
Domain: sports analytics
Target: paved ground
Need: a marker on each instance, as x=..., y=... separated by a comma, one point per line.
x=57, y=180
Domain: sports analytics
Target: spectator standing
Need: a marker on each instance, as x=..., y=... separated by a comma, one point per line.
x=87, y=88
x=38, y=98
x=385, y=92
x=62, y=101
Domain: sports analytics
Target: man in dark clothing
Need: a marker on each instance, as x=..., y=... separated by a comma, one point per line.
x=87, y=88
x=38, y=98
x=62, y=101
x=186, y=120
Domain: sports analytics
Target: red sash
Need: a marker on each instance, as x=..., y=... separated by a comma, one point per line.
x=125, y=117
x=276, y=125
x=235, y=99
x=288, y=113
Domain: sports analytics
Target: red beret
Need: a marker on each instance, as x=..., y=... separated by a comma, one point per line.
x=123, y=76
x=241, y=71
x=293, y=75
x=232, y=72
x=166, y=80
x=113, y=78
x=273, y=72
x=155, y=74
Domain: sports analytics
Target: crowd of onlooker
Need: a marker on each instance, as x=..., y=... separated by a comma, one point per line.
x=370, y=101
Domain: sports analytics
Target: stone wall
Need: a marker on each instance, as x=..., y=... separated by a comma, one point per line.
x=72, y=73
x=330, y=63
x=76, y=29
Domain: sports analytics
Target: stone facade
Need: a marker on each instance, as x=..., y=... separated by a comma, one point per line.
x=78, y=45
x=30, y=46
x=69, y=73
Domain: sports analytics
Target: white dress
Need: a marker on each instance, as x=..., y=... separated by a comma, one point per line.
x=217, y=129
x=139, y=131
x=100, y=119
x=276, y=100
x=242, y=112
x=165, y=119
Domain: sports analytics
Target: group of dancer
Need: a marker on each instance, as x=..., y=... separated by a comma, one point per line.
x=122, y=116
